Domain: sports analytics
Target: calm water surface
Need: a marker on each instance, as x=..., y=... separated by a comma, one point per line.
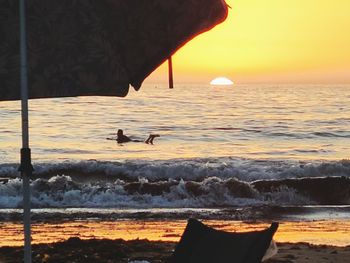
x=194, y=121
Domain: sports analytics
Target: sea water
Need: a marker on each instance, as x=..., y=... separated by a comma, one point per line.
x=194, y=121
x=214, y=144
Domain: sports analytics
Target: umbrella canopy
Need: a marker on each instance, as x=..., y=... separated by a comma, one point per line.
x=89, y=47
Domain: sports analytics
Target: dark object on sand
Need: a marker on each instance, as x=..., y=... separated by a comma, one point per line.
x=202, y=244
x=85, y=47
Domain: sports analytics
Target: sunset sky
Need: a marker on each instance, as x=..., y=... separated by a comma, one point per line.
x=270, y=41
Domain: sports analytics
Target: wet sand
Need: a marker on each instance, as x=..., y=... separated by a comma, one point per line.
x=104, y=250
x=154, y=240
x=306, y=253
x=323, y=232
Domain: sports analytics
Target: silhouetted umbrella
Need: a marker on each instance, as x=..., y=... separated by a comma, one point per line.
x=89, y=48
x=86, y=47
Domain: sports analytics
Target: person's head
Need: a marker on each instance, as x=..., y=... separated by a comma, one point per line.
x=120, y=132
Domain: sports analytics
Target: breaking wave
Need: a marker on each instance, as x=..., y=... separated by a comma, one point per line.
x=246, y=170
x=204, y=183
x=62, y=191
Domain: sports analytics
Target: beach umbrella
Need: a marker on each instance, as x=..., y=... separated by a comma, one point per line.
x=89, y=48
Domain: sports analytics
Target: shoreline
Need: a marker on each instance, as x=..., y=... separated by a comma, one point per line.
x=119, y=250
x=259, y=213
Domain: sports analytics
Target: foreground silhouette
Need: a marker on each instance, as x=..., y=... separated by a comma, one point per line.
x=203, y=244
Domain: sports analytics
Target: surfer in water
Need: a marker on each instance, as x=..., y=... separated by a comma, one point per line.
x=121, y=138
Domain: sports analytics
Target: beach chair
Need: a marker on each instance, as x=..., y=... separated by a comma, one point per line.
x=203, y=244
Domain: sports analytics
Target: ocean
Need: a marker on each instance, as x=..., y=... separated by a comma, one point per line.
x=244, y=152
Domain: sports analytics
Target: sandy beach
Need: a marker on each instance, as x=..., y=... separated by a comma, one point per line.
x=154, y=240
x=104, y=250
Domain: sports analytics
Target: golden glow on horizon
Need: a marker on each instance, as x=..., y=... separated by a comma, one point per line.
x=271, y=41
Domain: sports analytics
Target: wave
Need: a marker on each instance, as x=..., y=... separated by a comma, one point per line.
x=340, y=134
x=285, y=133
x=303, y=136
x=246, y=170
x=62, y=191
x=204, y=183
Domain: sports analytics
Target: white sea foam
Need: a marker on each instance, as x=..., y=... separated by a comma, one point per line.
x=62, y=191
x=223, y=182
x=189, y=169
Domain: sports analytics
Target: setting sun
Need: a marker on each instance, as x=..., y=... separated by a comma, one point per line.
x=222, y=81
x=271, y=42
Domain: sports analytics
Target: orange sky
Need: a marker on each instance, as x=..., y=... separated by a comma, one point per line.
x=270, y=41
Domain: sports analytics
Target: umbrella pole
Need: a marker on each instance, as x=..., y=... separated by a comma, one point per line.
x=170, y=69
x=25, y=168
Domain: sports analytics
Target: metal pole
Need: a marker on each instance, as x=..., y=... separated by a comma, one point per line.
x=26, y=167
x=170, y=69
